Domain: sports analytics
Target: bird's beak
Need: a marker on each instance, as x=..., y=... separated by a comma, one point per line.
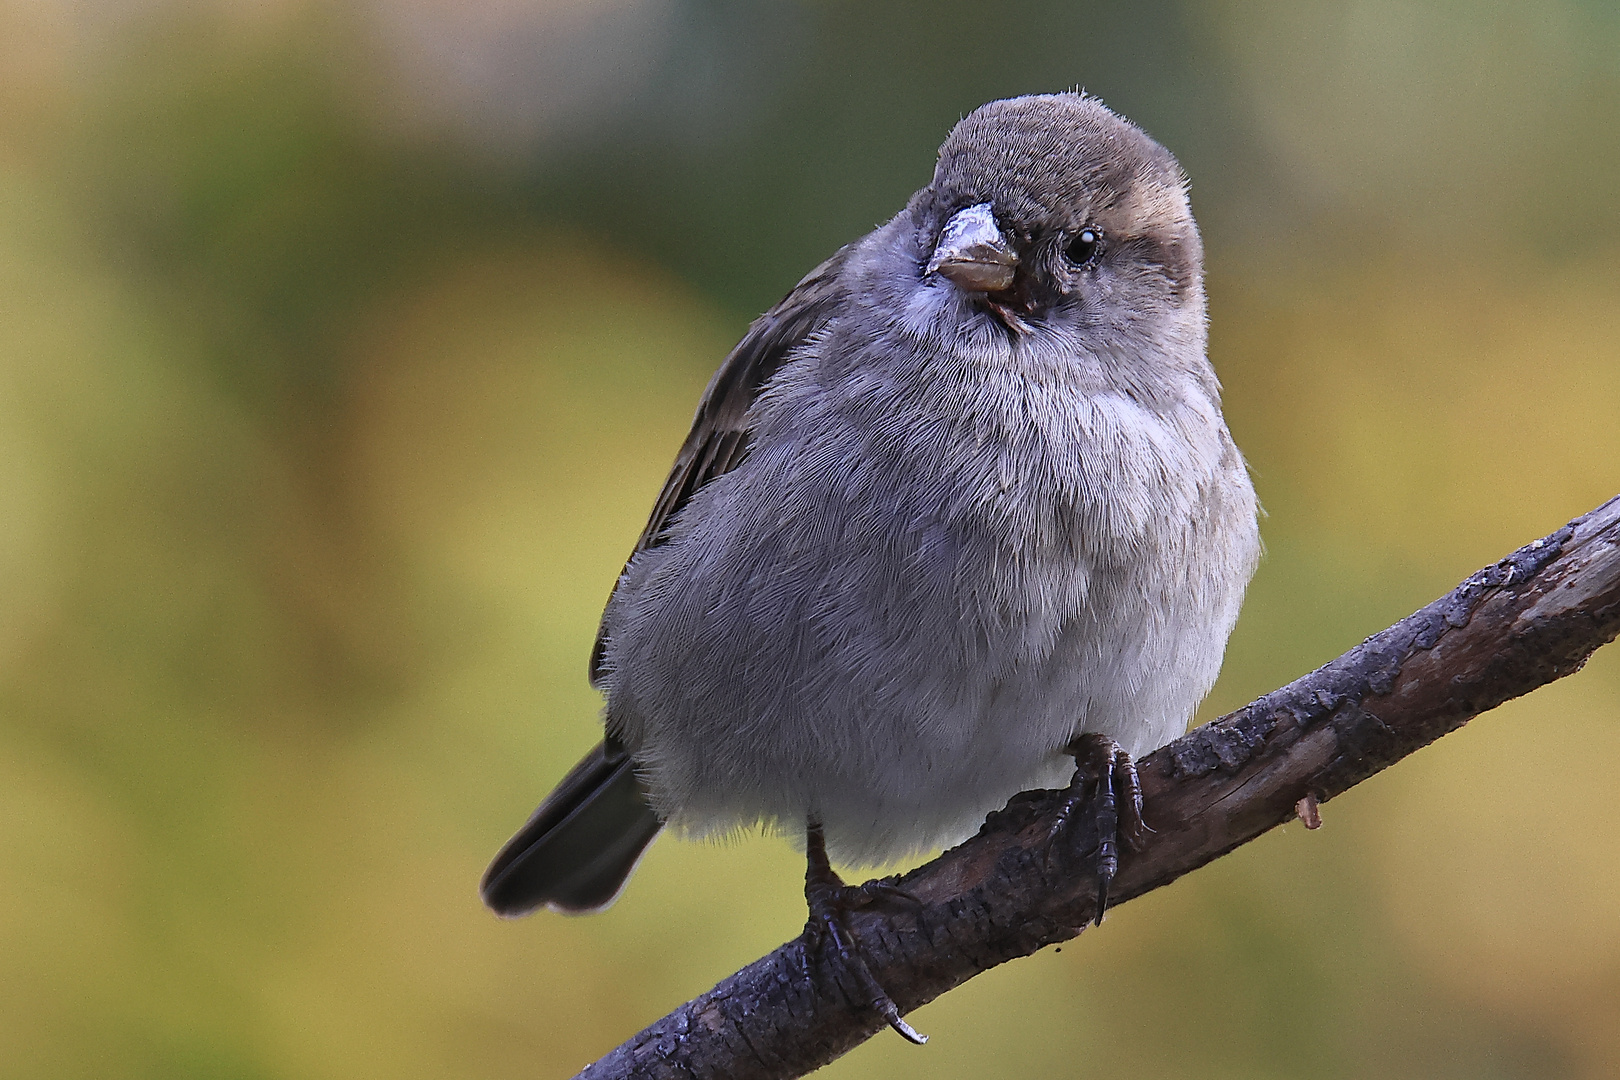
x=972, y=252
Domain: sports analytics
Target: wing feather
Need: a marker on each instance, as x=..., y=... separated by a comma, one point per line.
x=718, y=441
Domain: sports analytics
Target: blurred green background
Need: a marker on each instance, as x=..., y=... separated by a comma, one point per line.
x=344, y=345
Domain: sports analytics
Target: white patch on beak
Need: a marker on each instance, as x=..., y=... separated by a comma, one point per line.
x=973, y=254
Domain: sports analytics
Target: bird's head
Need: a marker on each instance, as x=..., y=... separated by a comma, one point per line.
x=1052, y=208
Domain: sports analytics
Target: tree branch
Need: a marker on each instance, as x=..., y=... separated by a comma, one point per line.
x=1529, y=619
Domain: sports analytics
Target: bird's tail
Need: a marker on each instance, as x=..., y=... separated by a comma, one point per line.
x=582, y=844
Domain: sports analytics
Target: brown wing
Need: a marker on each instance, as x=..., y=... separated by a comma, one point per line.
x=718, y=441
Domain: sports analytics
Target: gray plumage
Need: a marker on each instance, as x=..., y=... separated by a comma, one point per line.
x=920, y=537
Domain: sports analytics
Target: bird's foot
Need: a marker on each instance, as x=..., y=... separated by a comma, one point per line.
x=1103, y=773
x=828, y=930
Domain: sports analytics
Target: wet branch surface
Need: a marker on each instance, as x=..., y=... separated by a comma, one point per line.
x=1523, y=622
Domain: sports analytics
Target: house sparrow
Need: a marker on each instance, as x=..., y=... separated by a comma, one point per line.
x=959, y=508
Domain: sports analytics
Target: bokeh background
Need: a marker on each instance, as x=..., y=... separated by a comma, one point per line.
x=343, y=346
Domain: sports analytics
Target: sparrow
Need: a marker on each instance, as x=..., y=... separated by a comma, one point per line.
x=959, y=517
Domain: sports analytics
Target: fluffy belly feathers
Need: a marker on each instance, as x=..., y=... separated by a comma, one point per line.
x=899, y=667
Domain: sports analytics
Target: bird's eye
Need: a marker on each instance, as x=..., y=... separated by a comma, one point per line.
x=1085, y=245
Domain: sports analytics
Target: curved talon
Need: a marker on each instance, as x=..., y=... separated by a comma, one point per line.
x=901, y=1028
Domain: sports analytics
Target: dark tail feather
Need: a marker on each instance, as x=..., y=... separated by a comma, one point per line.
x=581, y=845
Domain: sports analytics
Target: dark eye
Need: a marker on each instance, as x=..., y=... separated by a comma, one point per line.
x=1083, y=248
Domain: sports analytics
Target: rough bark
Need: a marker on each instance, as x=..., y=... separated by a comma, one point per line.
x=1525, y=621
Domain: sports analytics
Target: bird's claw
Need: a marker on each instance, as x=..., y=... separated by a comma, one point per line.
x=1103, y=771
x=828, y=931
